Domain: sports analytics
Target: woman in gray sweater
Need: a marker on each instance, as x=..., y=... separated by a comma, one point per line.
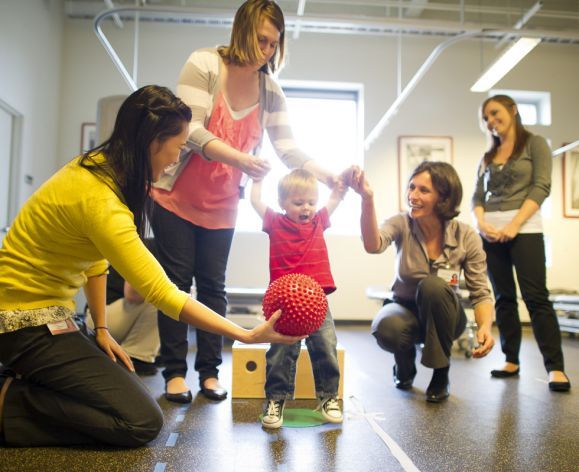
x=514, y=178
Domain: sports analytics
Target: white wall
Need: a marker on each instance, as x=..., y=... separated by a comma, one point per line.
x=440, y=105
x=30, y=64
x=89, y=74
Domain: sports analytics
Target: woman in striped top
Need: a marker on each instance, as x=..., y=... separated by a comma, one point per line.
x=233, y=99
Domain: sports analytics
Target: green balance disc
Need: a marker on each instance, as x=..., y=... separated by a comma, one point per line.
x=301, y=418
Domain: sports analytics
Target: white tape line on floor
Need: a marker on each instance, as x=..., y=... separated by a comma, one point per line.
x=172, y=440
x=395, y=449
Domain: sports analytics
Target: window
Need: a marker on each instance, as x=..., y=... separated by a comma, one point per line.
x=528, y=113
x=534, y=107
x=327, y=123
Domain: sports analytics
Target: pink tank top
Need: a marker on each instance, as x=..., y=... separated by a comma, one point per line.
x=207, y=192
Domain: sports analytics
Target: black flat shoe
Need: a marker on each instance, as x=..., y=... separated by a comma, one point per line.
x=405, y=384
x=437, y=394
x=437, y=390
x=560, y=386
x=183, y=397
x=214, y=394
x=503, y=374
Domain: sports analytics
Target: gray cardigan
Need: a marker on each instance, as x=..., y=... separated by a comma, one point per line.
x=507, y=187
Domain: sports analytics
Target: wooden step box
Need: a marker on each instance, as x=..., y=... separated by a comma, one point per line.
x=248, y=372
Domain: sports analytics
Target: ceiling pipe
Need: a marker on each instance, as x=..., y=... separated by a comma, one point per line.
x=116, y=18
x=522, y=22
x=109, y=48
x=336, y=24
x=329, y=25
x=300, y=12
x=565, y=148
x=383, y=122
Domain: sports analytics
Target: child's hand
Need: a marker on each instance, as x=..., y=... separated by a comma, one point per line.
x=340, y=189
x=348, y=175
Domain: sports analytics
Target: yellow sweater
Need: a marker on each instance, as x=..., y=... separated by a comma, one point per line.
x=65, y=233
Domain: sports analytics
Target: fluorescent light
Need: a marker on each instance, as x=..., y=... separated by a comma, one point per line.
x=509, y=59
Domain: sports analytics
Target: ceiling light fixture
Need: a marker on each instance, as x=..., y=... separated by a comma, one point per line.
x=508, y=59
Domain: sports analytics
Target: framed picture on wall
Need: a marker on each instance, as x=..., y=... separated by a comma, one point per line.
x=87, y=136
x=571, y=183
x=412, y=150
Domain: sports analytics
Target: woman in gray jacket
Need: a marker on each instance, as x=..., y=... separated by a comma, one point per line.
x=514, y=178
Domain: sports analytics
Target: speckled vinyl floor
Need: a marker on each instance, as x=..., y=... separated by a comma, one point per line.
x=486, y=425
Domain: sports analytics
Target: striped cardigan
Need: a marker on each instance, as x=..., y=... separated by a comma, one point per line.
x=199, y=86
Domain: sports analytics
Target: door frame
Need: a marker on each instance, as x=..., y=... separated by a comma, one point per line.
x=14, y=162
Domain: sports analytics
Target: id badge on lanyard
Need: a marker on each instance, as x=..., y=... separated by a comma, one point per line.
x=450, y=276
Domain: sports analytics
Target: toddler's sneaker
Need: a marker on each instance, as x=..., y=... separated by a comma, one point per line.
x=331, y=410
x=273, y=414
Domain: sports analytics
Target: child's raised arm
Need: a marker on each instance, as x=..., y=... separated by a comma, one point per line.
x=256, y=202
x=336, y=196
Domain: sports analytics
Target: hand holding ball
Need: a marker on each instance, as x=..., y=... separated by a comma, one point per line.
x=302, y=301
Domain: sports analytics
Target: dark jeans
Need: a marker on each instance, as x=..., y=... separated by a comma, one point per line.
x=281, y=363
x=526, y=253
x=71, y=393
x=435, y=317
x=187, y=251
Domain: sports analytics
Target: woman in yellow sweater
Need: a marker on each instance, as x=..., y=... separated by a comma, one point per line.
x=60, y=387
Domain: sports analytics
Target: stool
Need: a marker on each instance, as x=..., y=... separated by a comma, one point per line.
x=248, y=372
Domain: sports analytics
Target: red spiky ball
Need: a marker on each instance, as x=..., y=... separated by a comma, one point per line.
x=302, y=301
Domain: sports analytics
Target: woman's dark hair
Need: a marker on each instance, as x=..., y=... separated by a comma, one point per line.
x=150, y=113
x=521, y=134
x=447, y=183
x=243, y=47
